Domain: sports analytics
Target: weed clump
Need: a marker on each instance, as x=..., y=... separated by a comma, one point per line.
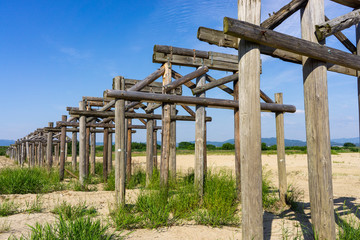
x=72, y=212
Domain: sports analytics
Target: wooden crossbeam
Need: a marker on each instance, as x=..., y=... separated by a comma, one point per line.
x=344, y=40
x=349, y=3
x=330, y=27
x=192, y=101
x=274, y=39
x=218, y=38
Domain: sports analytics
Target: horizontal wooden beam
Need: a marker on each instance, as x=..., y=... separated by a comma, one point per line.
x=344, y=40
x=337, y=24
x=214, y=60
x=192, y=101
x=215, y=83
x=218, y=38
x=143, y=127
x=349, y=3
x=186, y=78
x=132, y=115
x=282, y=41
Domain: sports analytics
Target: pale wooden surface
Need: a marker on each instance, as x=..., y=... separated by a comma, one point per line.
x=149, y=149
x=62, y=149
x=82, y=144
x=73, y=151
x=317, y=129
x=92, y=152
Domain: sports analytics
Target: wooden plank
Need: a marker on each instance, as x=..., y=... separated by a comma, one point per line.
x=200, y=140
x=189, y=110
x=250, y=126
x=128, y=150
x=317, y=128
x=82, y=144
x=149, y=150
x=105, y=153
x=180, y=51
x=120, y=151
x=193, y=101
x=218, y=38
x=280, y=142
x=73, y=151
x=357, y=30
x=155, y=147
x=92, y=152
x=56, y=154
x=165, y=140
x=349, y=3
x=337, y=24
x=282, y=41
x=62, y=149
x=87, y=156
x=177, y=75
x=154, y=87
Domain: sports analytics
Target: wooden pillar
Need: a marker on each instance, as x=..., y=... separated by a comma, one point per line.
x=22, y=154
x=120, y=167
x=109, y=163
x=317, y=128
x=62, y=148
x=172, y=156
x=128, y=151
x=165, y=141
x=27, y=152
x=200, y=139
x=358, y=72
x=93, y=155
x=250, y=126
x=73, y=150
x=32, y=155
x=66, y=149
x=40, y=154
x=49, y=147
x=105, y=153
x=82, y=144
x=56, y=154
x=237, y=141
x=280, y=142
x=87, y=152
x=149, y=149
x=155, y=161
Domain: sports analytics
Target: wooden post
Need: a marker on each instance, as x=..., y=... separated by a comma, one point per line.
x=105, y=153
x=56, y=150
x=280, y=142
x=93, y=156
x=22, y=154
x=82, y=145
x=149, y=149
x=358, y=72
x=128, y=151
x=62, y=148
x=155, y=161
x=120, y=167
x=200, y=139
x=32, y=155
x=73, y=150
x=49, y=147
x=109, y=164
x=172, y=156
x=237, y=141
x=87, y=157
x=317, y=128
x=41, y=154
x=250, y=126
x=165, y=146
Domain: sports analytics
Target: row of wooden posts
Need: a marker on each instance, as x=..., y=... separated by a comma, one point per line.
x=120, y=104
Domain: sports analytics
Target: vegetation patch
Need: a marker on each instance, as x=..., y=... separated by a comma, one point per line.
x=72, y=212
x=8, y=208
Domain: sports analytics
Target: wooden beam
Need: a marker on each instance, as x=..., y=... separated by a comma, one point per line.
x=218, y=38
x=184, y=79
x=109, y=163
x=193, y=101
x=349, y=3
x=128, y=150
x=336, y=25
x=357, y=33
x=237, y=141
x=92, y=152
x=48, y=149
x=274, y=39
x=250, y=126
x=317, y=126
x=212, y=84
x=105, y=154
x=344, y=40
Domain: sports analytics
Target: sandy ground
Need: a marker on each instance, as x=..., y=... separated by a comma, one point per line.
x=346, y=183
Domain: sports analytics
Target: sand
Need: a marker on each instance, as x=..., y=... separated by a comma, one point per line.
x=346, y=183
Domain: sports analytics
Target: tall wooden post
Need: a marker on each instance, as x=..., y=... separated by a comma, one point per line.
x=165, y=146
x=280, y=142
x=237, y=141
x=128, y=151
x=250, y=126
x=358, y=72
x=82, y=145
x=200, y=139
x=87, y=156
x=56, y=150
x=149, y=149
x=105, y=153
x=40, y=154
x=22, y=154
x=109, y=164
x=27, y=151
x=93, y=156
x=155, y=161
x=317, y=128
x=73, y=151
x=120, y=166
x=49, y=147
x=32, y=155
x=62, y=148
x=172, y=156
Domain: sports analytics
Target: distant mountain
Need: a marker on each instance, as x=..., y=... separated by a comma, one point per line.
x=4, y=142
x=341, y=141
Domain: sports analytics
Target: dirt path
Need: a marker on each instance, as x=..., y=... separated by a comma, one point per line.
x=346, y=182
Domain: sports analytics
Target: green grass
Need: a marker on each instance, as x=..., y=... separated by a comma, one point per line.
x=65, y=229
x=26, y=180
x=35, y=206
x=72, y=212
x=349, y=227
x=8, y=208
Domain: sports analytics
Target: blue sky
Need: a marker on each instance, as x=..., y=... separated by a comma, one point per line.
x=55, y=52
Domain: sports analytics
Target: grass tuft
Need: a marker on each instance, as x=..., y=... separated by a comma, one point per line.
x=8, y=208
x=35, y=206
x=72, y=212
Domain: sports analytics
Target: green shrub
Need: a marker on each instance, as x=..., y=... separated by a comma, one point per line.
x=28, y=180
